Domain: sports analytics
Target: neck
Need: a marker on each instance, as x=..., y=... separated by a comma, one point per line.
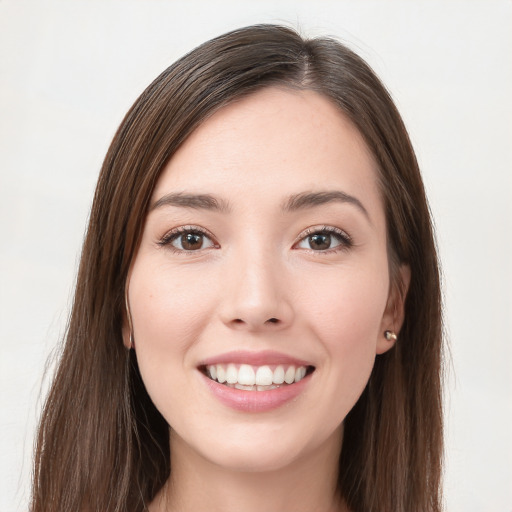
x=309, y=484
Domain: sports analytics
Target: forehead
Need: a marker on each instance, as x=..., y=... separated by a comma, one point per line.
x=271, y=144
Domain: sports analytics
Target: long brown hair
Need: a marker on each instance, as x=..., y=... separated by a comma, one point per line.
x=102, y=445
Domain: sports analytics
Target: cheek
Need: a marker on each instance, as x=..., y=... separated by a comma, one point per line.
x=347, y=304
x=345, y=315
x=169, y=312
x=167, y=307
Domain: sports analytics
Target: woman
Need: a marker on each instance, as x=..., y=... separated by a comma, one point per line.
x=257, y=316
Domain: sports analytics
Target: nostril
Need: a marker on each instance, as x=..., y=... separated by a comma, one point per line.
x=240, y=321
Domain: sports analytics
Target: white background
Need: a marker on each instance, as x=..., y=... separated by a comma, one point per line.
x=70, y=70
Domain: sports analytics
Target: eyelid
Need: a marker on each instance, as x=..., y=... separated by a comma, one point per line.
x=172, y=234
x=345, y=239
x=345, y=243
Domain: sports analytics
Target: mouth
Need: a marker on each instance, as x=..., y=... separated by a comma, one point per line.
x=256, y=382
x=247, y=377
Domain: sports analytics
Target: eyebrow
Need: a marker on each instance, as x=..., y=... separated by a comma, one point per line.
x=312, y=199
x=294, y=203
x=194, y=201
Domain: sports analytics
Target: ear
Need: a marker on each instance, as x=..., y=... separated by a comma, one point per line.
x=393, y=317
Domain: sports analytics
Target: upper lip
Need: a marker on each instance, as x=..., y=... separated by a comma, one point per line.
x=266, y=357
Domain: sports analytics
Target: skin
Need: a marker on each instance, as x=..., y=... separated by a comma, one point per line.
x=329, y=307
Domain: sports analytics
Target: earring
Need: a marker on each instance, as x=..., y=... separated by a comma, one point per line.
x=132, y=342
x=390, y=335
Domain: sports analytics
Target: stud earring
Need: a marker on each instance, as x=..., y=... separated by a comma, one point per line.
x=390, y=335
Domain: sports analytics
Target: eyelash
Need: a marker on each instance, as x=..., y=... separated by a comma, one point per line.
x=168, y=238
x=345, y=241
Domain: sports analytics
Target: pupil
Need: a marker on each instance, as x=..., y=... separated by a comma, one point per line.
x=321, y=241
x=191, y=241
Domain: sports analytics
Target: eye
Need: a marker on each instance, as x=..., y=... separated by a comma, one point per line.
x=187, y=239
x=324, y=239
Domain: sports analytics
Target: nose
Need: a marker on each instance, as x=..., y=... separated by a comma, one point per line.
x=255, y=294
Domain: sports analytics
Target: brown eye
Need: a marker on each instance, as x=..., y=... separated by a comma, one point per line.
x=191, y=241
x=187, y=240
x=325, y=239
x=320, y=242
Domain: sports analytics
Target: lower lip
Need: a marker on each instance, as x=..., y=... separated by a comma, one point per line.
x=256, y=401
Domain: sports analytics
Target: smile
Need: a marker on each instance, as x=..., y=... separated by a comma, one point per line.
x=256, y=382
x=256, y=378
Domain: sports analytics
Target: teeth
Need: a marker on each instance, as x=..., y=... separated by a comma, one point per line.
x=245, y=388
x=289, y=376
x=221, y=374
x=299, y=373
x=264, y=376
x=246, y=375
x=278, y=375
x=251, y=378
x=254, y=388
x=266, y=388
x=231, y=374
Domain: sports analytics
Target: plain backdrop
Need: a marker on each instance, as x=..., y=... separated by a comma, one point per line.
x=70, y=70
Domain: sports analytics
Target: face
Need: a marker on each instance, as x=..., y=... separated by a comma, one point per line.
x=260, y=291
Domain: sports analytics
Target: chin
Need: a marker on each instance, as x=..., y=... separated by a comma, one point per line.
x=252, y=448
x=251, y=459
